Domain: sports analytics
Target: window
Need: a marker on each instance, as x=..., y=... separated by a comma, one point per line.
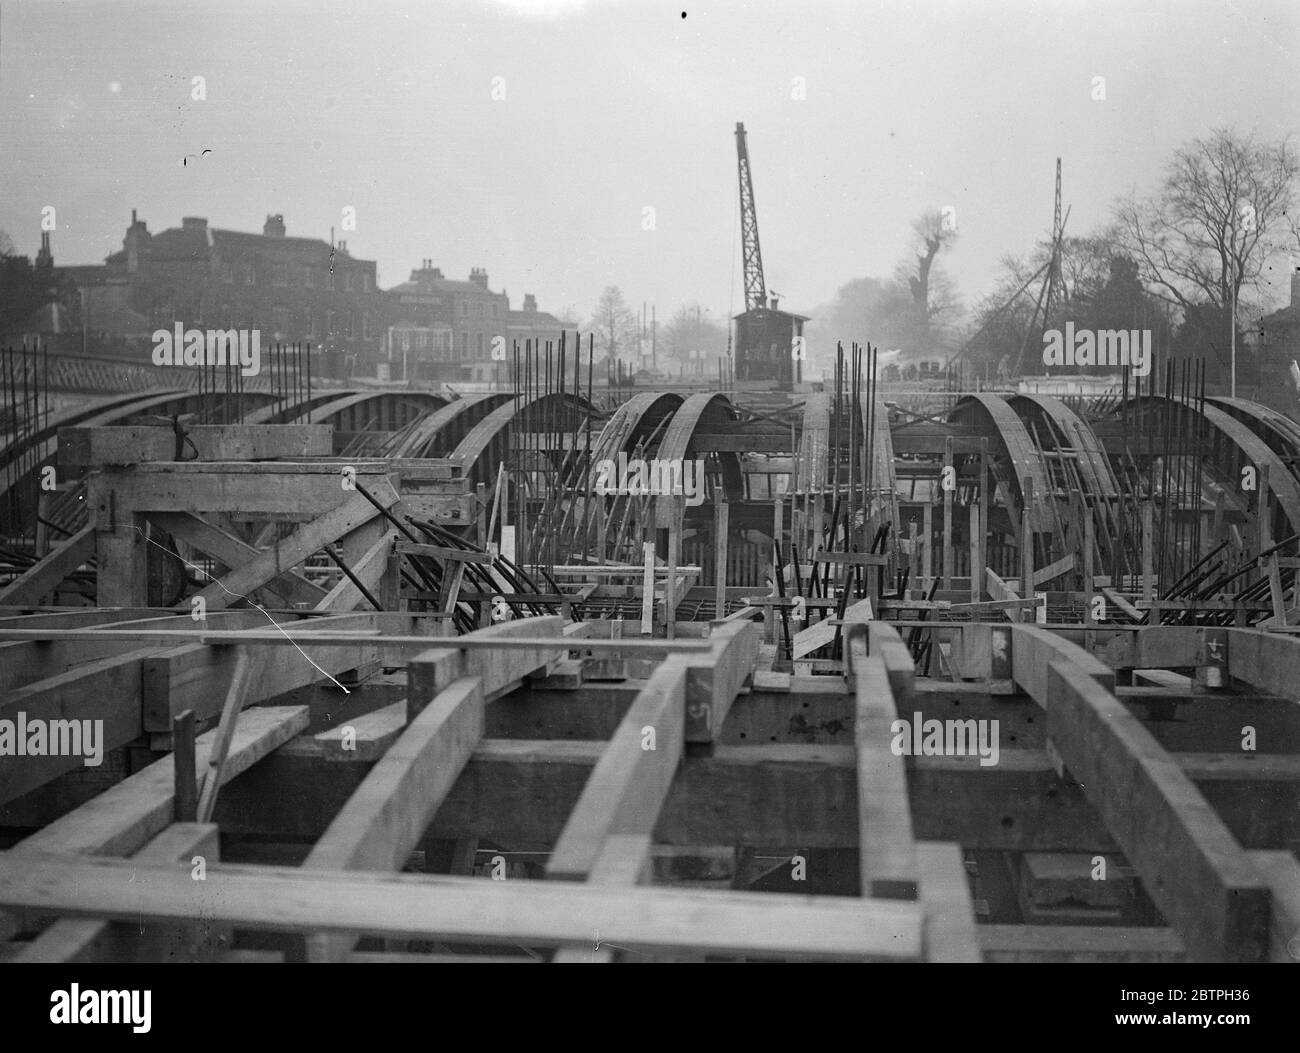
x=280, y=322
x=365, y=326
x=309, y=277
x=227, y=271
x=312, y=330
x=347, y=323
x=480, y=345
x=249, y=276
x=478, y=308
x=329, y=280
x=349, y=281
x=464, y=343
x=366, y=282
x=464, y=307
x=329, y=323
x=279, y=274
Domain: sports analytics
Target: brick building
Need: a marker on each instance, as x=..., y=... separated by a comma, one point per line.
x=292, y=289
x=441, y=329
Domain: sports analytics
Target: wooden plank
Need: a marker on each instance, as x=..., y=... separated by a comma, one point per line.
x=628, y=787
x=411, y=906
x=1282, y=873
x=720, y=517
x=1267, y=661
x=385, y=819
x=84, y=940
x=119, y=445
x=290, y=489
x=624, y=861
x=443, y=553
x=292, y=550
x=1080, y=943
x=886, y=845
x=1053, y=570
x=1190, y=864
x=232, y=551
x=41, y=579
x=1001, y=591
x=1033, y=648
x=713, y=680
x=98, y=701
x=236, y=697
x=434, y=670
x=122, y=819
x=950, y=929
x=195, y=676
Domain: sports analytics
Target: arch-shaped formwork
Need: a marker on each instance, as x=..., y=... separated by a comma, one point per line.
x=697, y=412
x=883, y=499
x=437, y=434
x=1233, y=445
x=1279, y=431
x=1016, y=463
x=814, y=445
x=596, y=518
x=488, y=443
x=1078, y=469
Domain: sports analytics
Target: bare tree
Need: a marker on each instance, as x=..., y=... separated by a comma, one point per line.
x=934, y=231
x=614, y=324
x=1224, y=209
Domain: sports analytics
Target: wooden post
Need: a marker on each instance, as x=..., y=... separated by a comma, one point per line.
x=480, y=506
x=1263, y=523
x=720, y=515
x=648, y=588
x=1148, y=528
x=185, y=793
x=1089, y=541
x=976, y=564
x=986, y=503
x=819, y=512
x=236, y=694
x=915, y=562
x=1027, y=543
x=947, y=514
x=927, y=556
x=674, y=557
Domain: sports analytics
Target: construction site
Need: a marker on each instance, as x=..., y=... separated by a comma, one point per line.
x=583, y=668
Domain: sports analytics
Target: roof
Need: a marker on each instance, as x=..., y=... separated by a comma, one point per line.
x=771, y=310
x=533, y=320
x=442, y=285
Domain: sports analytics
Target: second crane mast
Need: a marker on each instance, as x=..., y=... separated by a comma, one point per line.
x=755, y=288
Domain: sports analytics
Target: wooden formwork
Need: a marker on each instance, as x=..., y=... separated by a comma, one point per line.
x=497, y=738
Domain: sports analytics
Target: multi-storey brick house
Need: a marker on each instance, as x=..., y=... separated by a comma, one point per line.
x=292, y=289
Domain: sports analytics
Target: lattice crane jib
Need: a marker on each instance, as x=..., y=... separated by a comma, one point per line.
x=755, y=288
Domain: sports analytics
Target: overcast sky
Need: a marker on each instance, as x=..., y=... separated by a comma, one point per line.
x=614, y=106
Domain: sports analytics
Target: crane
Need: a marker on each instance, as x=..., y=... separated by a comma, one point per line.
x=755, y=289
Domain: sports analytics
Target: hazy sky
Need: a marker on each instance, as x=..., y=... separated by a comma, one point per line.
x=611, y=107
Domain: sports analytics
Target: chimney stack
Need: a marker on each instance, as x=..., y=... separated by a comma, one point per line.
x=530, y=302
x=274, y=226
x=1295, y=286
